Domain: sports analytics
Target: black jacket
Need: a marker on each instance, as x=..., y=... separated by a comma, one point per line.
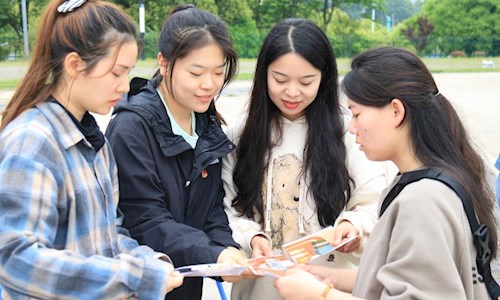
x=167, y=202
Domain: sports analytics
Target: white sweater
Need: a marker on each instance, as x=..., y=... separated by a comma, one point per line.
x=361, y=210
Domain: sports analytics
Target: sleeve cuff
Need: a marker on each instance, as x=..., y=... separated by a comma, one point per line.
x=155, y=279
x=262, y=234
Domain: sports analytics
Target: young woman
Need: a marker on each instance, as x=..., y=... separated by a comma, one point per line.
x=168, y=143
x=296, y=169
x=422, y=247
x=60, y=231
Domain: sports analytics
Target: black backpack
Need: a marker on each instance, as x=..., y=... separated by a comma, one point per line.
x=479, y=231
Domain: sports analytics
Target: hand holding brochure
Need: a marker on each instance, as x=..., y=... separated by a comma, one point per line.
x=274, y=266
x=314, y=247
x=309, y=249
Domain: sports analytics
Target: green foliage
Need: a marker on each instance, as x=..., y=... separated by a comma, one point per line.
x=150, y=45
x=268, y=12
x=402, y=40
x=235, y=13
x=238, y=15
x=469, y=26
x=4, y=51
x=399, y=10
x=465, y=25
x=349, y=37
x=247, y=42
x=341, y=32
x=418, y=34
x=342, y=25
x=156, y=12
x=10, y=17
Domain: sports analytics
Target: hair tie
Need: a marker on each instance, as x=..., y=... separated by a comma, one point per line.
x=70, y=5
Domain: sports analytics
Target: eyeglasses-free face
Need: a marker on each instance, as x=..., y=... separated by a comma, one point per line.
x=292, y=84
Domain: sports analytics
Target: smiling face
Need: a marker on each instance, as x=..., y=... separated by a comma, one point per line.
x=292, y=84
x=196, y=80
x=100, y=89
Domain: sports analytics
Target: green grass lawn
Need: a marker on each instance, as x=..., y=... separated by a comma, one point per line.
x=436, y=65
x=145, y=68
x=7, y=85
x=15, y=63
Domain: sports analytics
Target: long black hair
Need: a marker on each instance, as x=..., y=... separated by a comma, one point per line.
x=189, y=28
x=438, y=137
x=91, y=30
x=324, y=153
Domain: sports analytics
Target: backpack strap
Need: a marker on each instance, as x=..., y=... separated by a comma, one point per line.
x=479, y=232
x=435, y=174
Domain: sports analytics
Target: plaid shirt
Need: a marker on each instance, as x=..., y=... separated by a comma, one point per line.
x=60, y=235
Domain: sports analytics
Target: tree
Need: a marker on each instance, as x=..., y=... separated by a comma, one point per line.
x=10, y=17
x=328, y=6
x=419, y=35
x=238, y=15
x=234, y=12
x=267, y=13
x=9, y=28
x=157, y=11
x=327, y=12
x=467, y=25
x=399, y=10
x=11, y=22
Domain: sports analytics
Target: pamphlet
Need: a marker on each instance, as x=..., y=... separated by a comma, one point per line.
x=211, y=270
x=309, y=249
x=314, y=247
x=274, y=266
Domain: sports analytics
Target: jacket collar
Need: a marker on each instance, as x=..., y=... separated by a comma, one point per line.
x=144, y=100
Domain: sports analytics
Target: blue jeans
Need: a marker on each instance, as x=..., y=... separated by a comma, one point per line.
x=497, y=165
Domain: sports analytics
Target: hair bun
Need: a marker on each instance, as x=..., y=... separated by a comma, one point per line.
x=181, y=7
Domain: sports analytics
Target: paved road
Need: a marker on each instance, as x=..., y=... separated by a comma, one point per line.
x=476, y=96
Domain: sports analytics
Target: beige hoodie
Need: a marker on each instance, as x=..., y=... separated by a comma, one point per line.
x=361, y=210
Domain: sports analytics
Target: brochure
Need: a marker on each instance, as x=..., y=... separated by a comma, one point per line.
x=309, y=249
x=211, y=270
x=274, y=266
x=312, y=248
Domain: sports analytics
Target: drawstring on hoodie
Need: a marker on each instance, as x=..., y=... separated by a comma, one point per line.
x=269, y=193
x=302, y=199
